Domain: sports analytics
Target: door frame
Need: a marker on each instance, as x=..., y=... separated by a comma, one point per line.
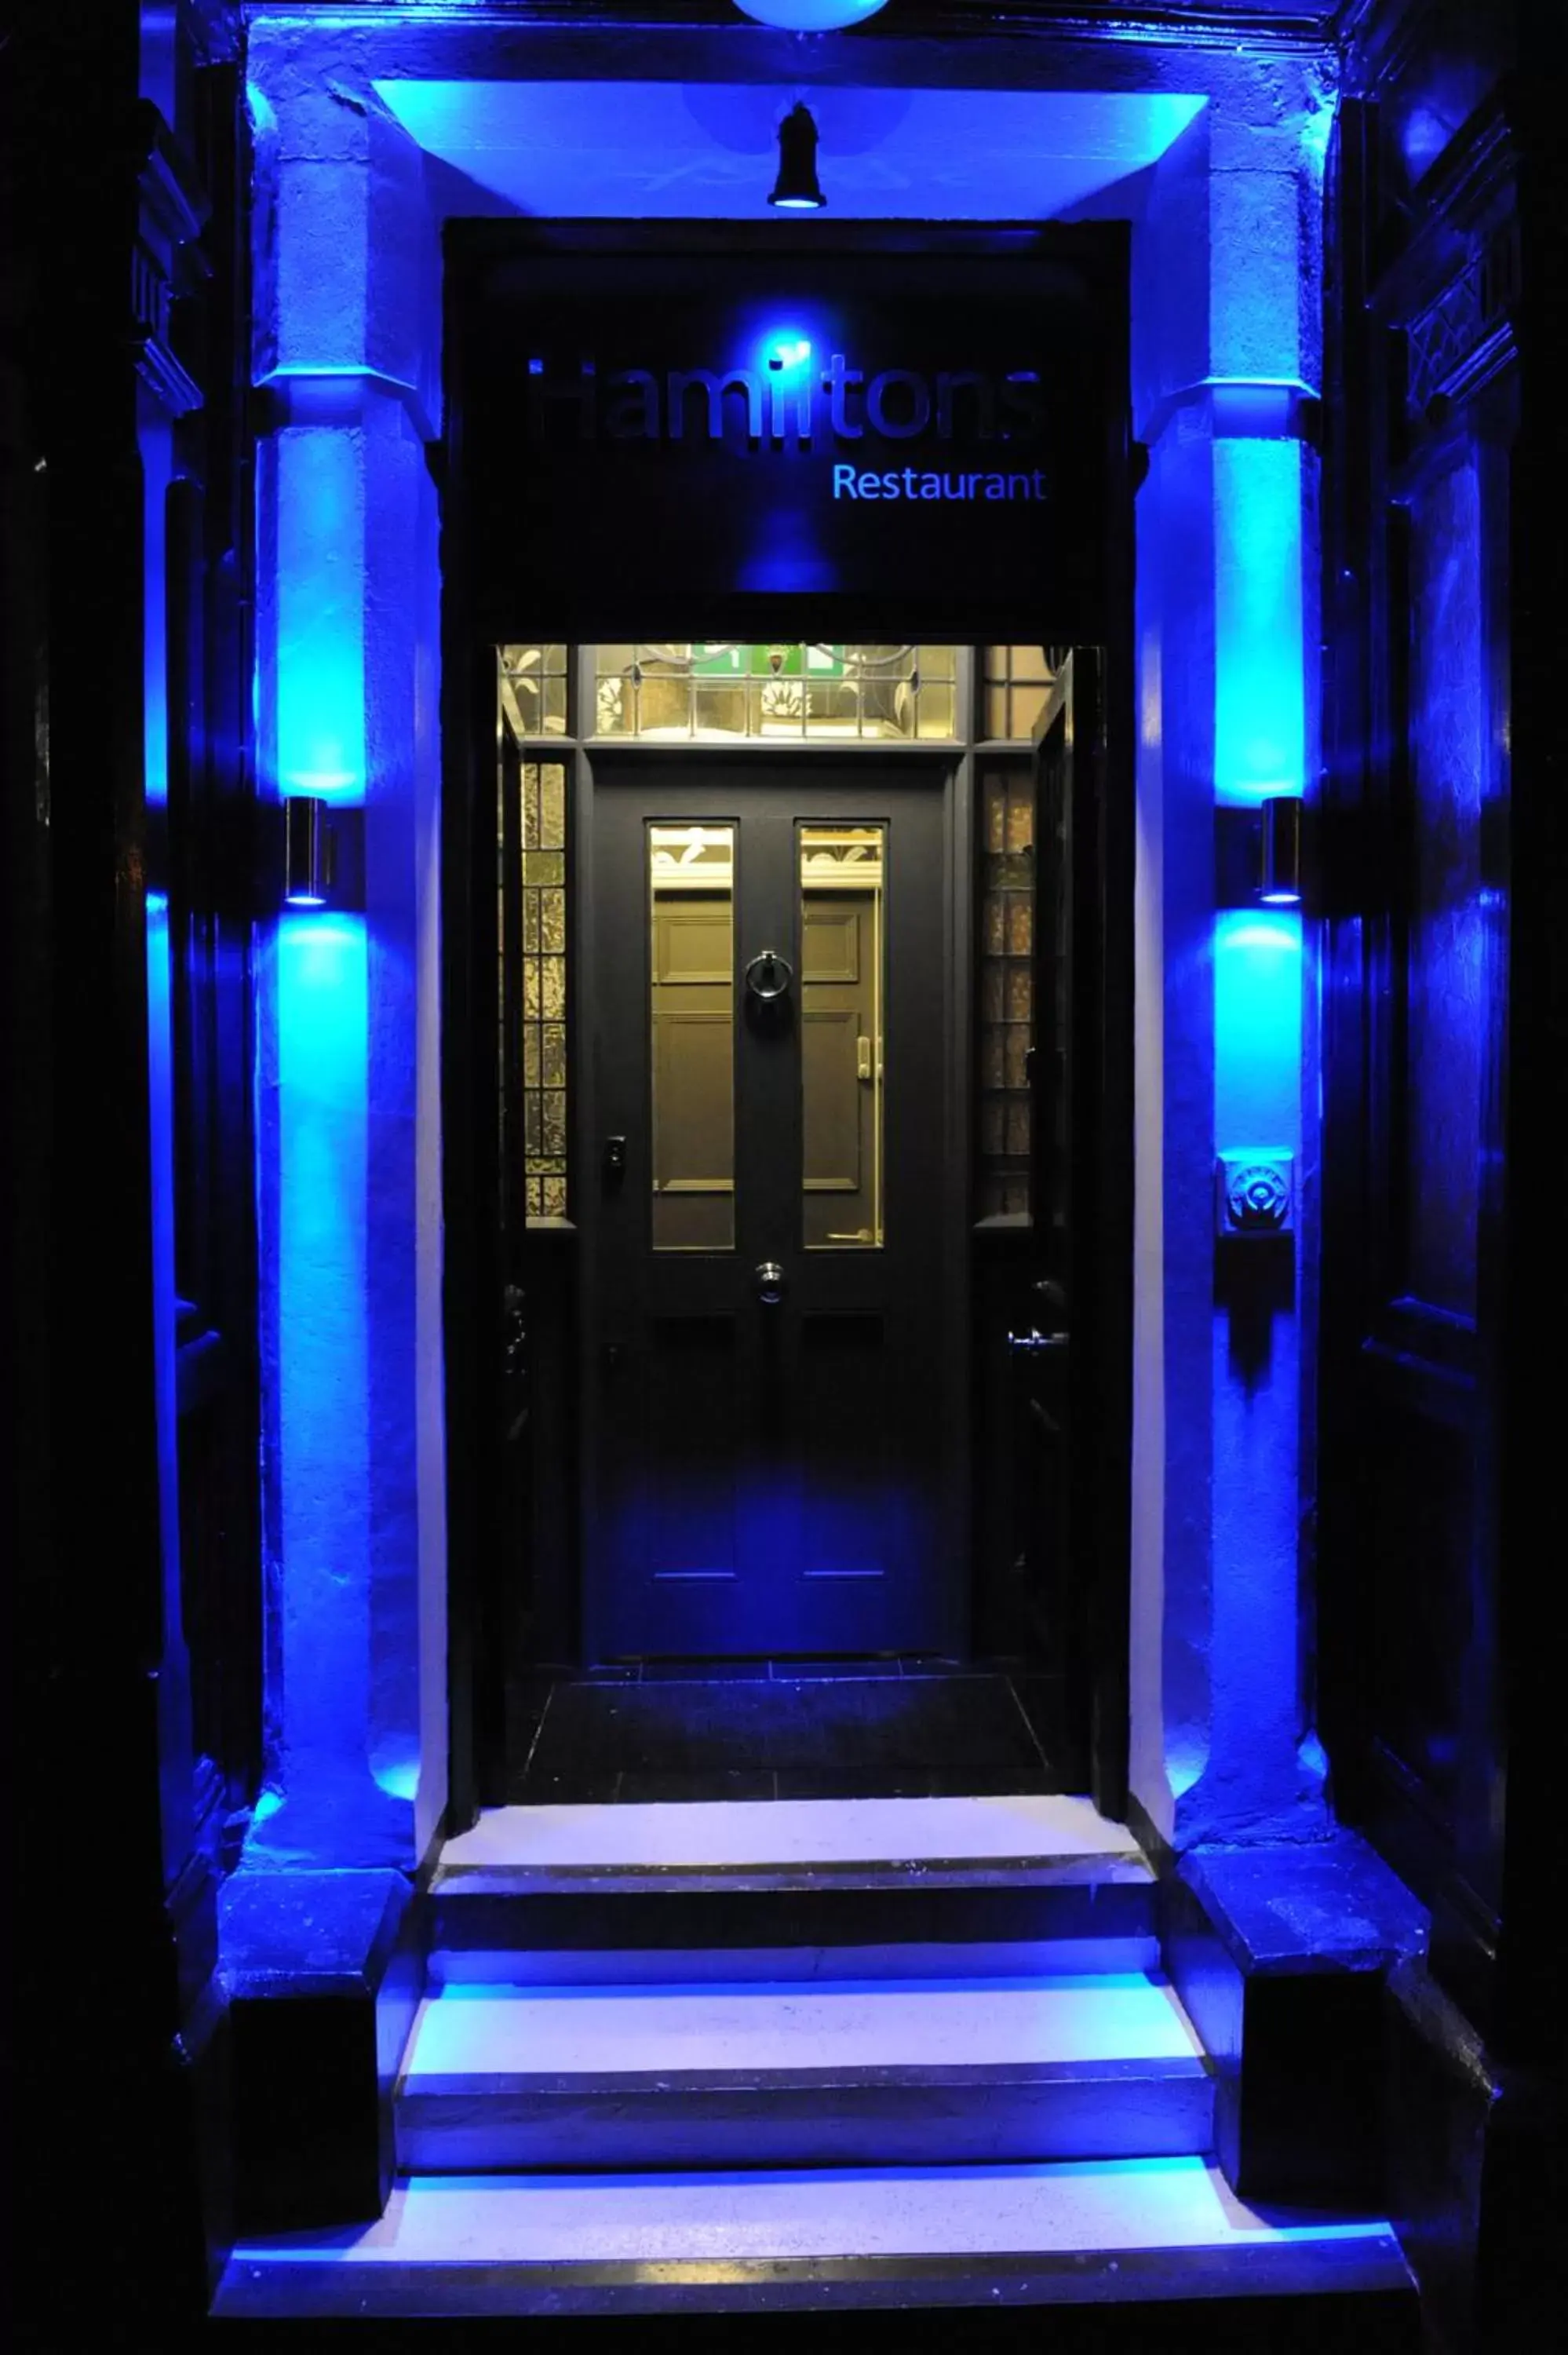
x=476, y=1623
x=952, y=762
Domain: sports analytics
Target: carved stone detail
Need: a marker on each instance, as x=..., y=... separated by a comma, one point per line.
x=1457, y=325
x=1255, y=1194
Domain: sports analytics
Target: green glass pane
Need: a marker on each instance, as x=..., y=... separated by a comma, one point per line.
x=993, y=930
x=1017, y=1048
x=533, y=1059
x=543, y=866
x=553, y=999
x=531, y=921
x=1020, y=992
x=992, y=994
x=552, y=1129
x=532, y=1123
x=553, y=920
x=532, y=992
x=552, y=1197
x=1020, y=923
x=552, y=1055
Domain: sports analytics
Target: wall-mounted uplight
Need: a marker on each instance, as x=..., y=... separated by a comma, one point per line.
x=307, y=851
x=1279, y=863
x=797, y=188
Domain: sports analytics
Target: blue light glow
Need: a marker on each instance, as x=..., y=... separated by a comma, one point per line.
x=652, y=150
x=319, y=658
x=1257, y=1031
x=810, y=15
x=1260, y=713
x=323, y=1371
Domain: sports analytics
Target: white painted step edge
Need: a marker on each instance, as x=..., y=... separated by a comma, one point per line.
x=1062, y=2207
x=732, y=1834
x=473, y=2033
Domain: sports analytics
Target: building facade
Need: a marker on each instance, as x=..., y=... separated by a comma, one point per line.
x=356, y=351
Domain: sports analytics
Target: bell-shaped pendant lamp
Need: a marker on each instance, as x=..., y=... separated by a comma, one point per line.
x=797, y=189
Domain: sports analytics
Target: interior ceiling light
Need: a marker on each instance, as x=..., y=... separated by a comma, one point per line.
x=810, y=15
x=797, y=188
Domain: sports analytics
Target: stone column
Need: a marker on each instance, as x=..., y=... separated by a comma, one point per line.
x=1225, y=313
x=347, y=311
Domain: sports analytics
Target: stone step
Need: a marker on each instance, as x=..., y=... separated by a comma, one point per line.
x=955, y=1876
x=801, y=2072
x=1137, y=2254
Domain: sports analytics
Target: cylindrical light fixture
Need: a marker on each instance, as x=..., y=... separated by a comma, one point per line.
x=307, y=851
x=797, y=189
x=1279, y=866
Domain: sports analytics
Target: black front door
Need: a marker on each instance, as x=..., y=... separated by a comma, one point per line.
x=769, y=989
x=1072, y=1348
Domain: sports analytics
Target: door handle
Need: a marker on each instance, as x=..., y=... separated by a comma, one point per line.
x=769, y=1278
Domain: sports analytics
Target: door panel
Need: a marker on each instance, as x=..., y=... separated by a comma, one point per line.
x=1067, y=1345
x=767, y=1470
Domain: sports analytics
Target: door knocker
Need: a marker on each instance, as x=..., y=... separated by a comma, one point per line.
x=768, y=976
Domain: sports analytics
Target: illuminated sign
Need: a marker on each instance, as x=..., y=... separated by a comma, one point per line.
x=786, y=400
x=792, y=443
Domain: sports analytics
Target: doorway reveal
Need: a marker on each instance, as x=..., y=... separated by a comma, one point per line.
x=754, y=1195
x=769, y=974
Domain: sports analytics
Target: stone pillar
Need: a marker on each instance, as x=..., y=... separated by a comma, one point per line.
x=347, y=311
x=1225, y=324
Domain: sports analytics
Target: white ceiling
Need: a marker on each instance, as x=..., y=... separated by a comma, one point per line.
x=645, y=150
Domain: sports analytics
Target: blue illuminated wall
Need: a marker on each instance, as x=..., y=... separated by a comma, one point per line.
x=366, y=135
x=1225, y=356
x=349, y=1195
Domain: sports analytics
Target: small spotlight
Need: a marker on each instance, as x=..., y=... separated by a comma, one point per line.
x=1280, y=868
x=307, y=851
x=797, y=189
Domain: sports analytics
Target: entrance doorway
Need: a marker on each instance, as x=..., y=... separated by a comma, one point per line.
x=808, y=1225
x=770, y=1457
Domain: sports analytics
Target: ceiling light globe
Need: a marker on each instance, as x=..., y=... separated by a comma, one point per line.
x=810, y=15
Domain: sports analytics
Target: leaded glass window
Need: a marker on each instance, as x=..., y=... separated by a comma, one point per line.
x=533, y=682
x=787, y=693
x=544, y=915
x=1006, y=987
x=1014, y=683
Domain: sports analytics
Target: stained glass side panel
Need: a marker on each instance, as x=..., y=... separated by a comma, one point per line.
x=543, y=899
x=1014, y=683
x=789, y=693
x=1006, y=987
x=533, y=688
